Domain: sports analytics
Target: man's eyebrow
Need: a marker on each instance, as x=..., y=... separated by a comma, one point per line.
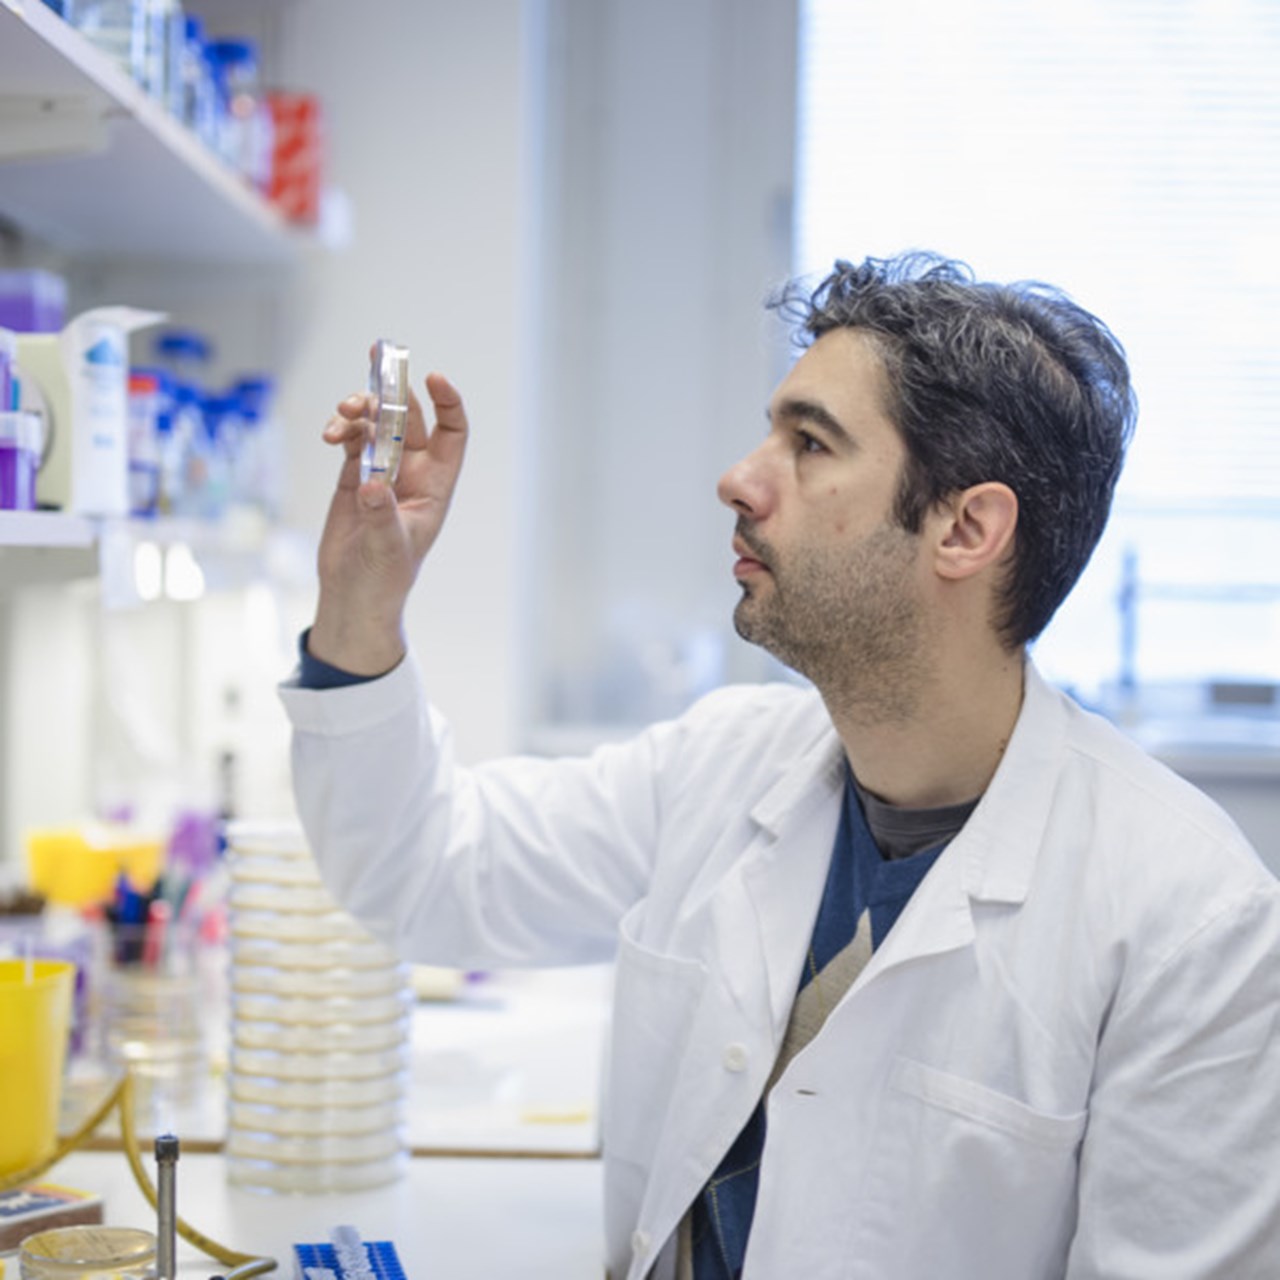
x=796, y=409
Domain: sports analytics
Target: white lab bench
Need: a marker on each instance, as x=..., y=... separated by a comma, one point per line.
x=451, y=1218
x=512, y=1066
x=503, y=1124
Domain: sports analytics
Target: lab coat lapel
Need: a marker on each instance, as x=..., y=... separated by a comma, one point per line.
x=762, y=916
x=781, y=883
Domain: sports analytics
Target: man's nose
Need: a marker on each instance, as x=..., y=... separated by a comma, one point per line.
x=743, y=487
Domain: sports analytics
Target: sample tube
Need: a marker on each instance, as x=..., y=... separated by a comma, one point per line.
x=389, y=387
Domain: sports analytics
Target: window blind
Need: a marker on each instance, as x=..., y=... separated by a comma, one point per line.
x=1126, y=150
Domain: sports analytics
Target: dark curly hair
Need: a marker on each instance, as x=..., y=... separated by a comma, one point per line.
x=1013, y=383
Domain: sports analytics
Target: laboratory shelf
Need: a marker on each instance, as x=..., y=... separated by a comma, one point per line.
x=45, y=546
x=92, y=165
x=45, y=529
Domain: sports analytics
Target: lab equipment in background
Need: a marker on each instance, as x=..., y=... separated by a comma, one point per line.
x=8, y=358
x=81, y=866
x=245, y=130
x=163, y=29
x=297, y=155
x=259, y=464
x=319, y=1028
x=35, y=1028
x=32, y=300
x=347, y=1257
x=78, y=381
x=185, y=355
x=389, y=387
x=151, y=983
x=197, y=105
x=21, y=436
x=217, y=413
x=117, y=27
x=146, y=407
x=42, y=1206
x=185, y=464
x=166, y=1207
x=89, y=1253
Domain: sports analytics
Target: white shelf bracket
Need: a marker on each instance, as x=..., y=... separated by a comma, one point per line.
x=36, y=126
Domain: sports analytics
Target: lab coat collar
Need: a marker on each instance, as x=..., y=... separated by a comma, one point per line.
x=992, y=859
x=780, y=883
x=998, y=846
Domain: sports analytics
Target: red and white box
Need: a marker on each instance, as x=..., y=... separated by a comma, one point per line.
x=297, y=162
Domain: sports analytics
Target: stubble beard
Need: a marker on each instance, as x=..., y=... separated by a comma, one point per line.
x=849, y=622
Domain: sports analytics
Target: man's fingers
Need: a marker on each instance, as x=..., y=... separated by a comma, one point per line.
x=444, y=442
x=450, y=435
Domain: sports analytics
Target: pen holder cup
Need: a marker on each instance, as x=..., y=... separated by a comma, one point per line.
x=151, y=999
x=35, y=1022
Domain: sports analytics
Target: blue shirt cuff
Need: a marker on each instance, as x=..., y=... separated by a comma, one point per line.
x=315, y=674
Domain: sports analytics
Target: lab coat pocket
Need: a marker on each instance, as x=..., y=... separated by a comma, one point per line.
x=992, y=1177
x=654, y=1001
x=986, y=1107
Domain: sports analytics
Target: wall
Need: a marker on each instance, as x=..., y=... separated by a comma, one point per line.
x=666, y=223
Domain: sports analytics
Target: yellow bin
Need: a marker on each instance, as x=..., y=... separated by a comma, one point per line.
x=35, y=1020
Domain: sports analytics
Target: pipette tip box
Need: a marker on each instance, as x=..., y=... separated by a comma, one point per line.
x=383, y=1263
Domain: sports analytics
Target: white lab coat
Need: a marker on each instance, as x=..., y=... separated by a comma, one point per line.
x=1064, y=1060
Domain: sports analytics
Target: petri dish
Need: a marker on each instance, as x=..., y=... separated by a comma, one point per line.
x=338, y=1148
x=316, y=1122
x=285, y=928
x=317, y=984
x=282, y=1064
x=296, y=898
x=340, y=1038
x=267, y=1175
x=88, y=1253
x=321, y=1012
x=320, y=1093
x=342, y=953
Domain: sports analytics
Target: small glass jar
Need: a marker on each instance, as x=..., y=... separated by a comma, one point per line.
x=88, y=1253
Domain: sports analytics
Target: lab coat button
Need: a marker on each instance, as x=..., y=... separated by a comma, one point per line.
x=639, y=1241
x=735, y=1057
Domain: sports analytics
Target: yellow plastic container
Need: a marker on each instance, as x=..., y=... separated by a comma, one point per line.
x=35, y=1020
x=73, y=868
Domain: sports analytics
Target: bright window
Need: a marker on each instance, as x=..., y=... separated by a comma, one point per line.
x=1129, y=152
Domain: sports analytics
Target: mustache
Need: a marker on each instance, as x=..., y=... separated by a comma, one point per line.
x=753, y=542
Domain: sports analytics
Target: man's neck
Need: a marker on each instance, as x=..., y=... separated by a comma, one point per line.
x=947, y=748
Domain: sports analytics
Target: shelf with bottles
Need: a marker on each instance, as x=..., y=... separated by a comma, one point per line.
x=138, y=560
x=94, y=165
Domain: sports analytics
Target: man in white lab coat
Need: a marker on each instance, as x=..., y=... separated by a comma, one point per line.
x=922, y=972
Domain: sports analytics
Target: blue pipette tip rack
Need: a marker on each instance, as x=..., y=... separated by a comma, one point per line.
x=379, y=1261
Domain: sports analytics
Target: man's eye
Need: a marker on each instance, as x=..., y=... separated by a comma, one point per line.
x=808, y=443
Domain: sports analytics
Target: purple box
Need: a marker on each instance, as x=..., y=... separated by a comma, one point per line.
x=8, y=355
x=32, y=301
x=19, y=460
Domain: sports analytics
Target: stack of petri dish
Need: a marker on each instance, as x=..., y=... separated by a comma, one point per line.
x=320, y=1035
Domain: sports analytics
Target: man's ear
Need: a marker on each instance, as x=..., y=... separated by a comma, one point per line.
x=975, y=529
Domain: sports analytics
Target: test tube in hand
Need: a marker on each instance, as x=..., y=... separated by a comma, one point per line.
x=389, y=390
